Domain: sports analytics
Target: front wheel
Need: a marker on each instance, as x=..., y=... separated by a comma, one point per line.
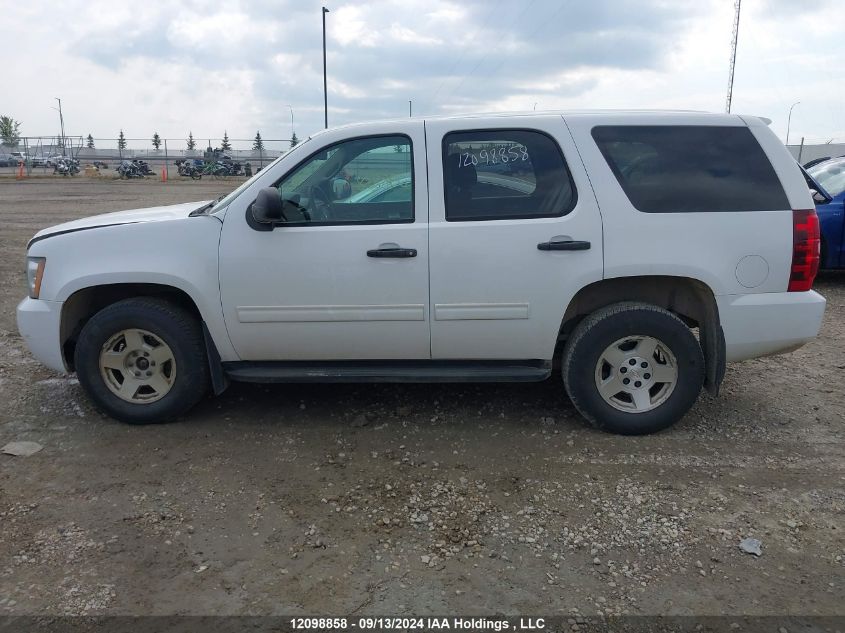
x=633, y=368
x=142, y=360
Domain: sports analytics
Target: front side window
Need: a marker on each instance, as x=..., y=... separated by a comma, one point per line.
x=504, y=174
x=364, y=180
x=691, y=168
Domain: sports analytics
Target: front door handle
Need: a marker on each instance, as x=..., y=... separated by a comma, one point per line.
x=564, y=245
x=392, y=252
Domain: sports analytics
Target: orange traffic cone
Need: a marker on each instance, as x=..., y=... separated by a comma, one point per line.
x=20, y=170
x=164, y=174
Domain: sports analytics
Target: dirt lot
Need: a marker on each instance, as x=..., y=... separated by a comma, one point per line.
x=412, y=499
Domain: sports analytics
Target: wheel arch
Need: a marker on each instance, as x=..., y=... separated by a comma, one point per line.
x=84, y=303
x=690, y=299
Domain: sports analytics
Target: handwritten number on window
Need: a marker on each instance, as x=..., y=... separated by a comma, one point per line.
x=496, y=155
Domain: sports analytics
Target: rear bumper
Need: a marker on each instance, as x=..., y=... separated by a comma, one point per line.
x=39, y=323
x=769, y=323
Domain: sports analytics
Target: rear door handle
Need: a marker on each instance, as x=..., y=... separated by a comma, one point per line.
x=392, y=252
x=564, y=245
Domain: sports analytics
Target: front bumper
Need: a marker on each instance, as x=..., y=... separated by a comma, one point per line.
x=769, y=323
x=39, y=322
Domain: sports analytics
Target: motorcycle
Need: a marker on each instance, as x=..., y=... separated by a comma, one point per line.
x=188, y=169
x=66, y=167
x=143, y=167
x=128, y=169
x=216, y=169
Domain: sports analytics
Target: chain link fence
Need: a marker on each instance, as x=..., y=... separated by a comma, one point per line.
x=38, y=155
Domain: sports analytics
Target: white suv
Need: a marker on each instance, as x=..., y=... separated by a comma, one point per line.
x=636, y=252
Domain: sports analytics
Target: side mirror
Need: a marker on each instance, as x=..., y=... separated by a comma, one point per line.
x=819, y=197
x=267, y=208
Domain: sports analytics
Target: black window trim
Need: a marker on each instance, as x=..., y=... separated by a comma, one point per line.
x=326, y=148
x=530, y=216
x=619, y=179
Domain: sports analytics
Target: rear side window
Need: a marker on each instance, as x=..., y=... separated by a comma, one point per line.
x=692, y=169
x=504, y=174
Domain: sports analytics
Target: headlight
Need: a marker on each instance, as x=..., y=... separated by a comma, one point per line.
x=34, y=273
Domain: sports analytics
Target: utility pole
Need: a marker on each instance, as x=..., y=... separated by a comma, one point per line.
x=62, y=124
x=410, y=108
x=325, y=83
x=734, y=39
x=789, y=121
x=290, y=107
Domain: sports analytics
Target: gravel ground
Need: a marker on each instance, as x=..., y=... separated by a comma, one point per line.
x=412, y=499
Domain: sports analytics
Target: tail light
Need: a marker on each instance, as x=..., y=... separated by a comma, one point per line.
x=806, y=242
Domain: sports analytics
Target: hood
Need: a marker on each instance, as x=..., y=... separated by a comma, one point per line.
x=133, y=216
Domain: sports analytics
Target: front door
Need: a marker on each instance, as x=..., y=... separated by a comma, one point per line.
x=345, y=276
x=515, y=232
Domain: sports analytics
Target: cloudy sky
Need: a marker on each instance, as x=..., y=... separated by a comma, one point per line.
x=206, y=66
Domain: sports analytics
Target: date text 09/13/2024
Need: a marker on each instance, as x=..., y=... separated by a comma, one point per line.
x=423, y=624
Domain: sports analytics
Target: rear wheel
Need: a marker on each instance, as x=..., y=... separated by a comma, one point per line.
x=142, y=360
x=633, y=368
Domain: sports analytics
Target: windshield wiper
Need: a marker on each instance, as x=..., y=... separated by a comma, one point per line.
x=204, y=209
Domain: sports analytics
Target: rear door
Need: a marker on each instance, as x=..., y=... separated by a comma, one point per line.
x=514, y=233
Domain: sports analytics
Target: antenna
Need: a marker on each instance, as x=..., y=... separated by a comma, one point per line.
x=733, y=56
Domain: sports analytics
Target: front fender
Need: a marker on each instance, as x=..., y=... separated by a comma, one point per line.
x=181, y=254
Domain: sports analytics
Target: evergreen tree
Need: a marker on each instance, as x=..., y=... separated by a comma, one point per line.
x=89, y=142
x=156, y=140
x=10, y=131
x=225, y=145
x=258, y=144
x=191, y=142
x=121, y=141
x=294, y=140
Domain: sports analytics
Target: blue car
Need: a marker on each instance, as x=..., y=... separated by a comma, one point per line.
x=830, y=176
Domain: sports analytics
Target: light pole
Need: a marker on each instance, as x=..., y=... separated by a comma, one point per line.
x=290, y=107
x=325, y=88
x=789, y=121
x=410, y=108
x=62, y=124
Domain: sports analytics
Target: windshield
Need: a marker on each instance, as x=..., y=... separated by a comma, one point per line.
x=234, y=194
x=830, y=175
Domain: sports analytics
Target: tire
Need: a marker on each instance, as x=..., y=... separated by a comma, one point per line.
x=663, y=381
x=126, y=338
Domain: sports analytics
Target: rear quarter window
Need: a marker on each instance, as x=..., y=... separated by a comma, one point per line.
x=690, y=169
